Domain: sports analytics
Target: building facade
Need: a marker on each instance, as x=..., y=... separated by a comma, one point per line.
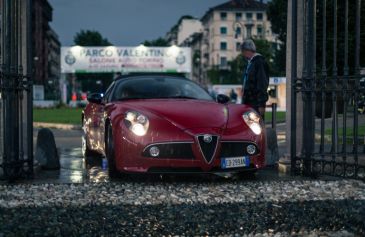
x=187, y=28
x=54, y=65
x=46, y=49
x=227, y=25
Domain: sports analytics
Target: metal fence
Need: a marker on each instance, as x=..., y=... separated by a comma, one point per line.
x=16, y=157
x=333, y=143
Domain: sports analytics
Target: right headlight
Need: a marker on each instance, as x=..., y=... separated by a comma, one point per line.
x=253, y=121
x=137, y=123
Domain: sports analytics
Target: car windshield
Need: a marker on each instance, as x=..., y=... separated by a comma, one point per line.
x=158, y=88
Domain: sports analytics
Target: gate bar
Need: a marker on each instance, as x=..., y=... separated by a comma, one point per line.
x=334, y=86
x=356, y=94
x=324, y=75
x=293, y=105
x=344, y=84
x=30, y=88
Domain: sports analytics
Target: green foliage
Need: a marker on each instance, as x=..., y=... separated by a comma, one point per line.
x=90, y=38
x=159, y=42
x=340, y=36
x=88, y=81
x=214, y=75
x=264, y=48
x=238, y=65
x=277, y=12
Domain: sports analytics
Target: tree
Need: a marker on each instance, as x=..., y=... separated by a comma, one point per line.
x=277, y=12
x=237, y=66
x=92, y=82
x=90, y=38
x=159, y=42
x=340, y=36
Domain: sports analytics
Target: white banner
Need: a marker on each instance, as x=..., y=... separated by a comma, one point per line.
x=125, y=59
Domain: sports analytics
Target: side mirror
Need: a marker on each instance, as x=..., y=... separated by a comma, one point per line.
x=223, y=99
x=95, y=98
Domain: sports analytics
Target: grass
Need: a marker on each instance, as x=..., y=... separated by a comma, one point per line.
x=73, y=116
x=58, y=115
x=280, y=117
x=349, y=131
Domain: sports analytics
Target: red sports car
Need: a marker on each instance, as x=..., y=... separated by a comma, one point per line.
x=168, y=124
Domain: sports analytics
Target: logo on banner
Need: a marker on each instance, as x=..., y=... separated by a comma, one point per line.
x=181, y=59
x=70, y=59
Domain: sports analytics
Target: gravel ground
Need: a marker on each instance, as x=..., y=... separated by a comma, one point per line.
x=230, y=208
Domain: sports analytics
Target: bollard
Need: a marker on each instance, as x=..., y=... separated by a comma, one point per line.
x=274, y=107
x=46, y=152
x=272, y=156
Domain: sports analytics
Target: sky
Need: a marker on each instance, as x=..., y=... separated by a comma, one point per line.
x=123, y=22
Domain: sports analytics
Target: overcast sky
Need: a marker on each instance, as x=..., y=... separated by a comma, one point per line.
x=123, y=22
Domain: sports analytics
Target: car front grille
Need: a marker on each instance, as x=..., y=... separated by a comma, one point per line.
x=235, y=149
x=208, y=149
x=172, y=151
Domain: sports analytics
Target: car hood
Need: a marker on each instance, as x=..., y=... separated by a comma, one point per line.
x=186, y=114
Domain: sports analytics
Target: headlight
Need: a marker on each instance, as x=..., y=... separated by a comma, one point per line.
x=252, y=119
x=136, y=123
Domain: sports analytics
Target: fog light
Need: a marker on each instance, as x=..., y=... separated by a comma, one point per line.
x=154, y=151
x=251, y=149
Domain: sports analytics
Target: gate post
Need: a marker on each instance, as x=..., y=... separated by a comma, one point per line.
x=16, y=99
x=294, y=69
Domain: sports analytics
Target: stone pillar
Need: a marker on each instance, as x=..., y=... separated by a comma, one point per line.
x=284, y=162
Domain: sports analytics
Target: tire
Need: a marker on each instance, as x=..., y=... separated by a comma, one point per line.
x=92, y=158
x=110, y=154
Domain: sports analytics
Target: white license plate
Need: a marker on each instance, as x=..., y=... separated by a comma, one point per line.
x=233, y=162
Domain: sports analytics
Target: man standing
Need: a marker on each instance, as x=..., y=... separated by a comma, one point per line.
x=118, y=75
x=255, y=78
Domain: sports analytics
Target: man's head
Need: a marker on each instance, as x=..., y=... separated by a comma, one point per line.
x=118, y=74
x=248, y=49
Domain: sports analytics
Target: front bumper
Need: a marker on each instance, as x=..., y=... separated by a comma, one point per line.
x=186, y=157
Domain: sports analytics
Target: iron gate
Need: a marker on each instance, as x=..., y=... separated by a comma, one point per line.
x=16, y=133
x=329, y=91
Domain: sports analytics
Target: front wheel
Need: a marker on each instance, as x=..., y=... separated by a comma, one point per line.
x=86, y=151
x=110, y=154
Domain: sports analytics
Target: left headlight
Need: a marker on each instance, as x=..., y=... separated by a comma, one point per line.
x=253, y=121
x=136, y=123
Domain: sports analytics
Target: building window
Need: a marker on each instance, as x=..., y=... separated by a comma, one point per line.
x=223, y=62
x=238, y=16
x=223, y=45
x=223, y=16
x=249, y=16
x=249, y=32
x=238, y=30
x=238, y=46
x=223, y=30
x=259, y=31
x=259, y=16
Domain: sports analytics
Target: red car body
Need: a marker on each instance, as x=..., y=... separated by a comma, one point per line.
x=179, y=128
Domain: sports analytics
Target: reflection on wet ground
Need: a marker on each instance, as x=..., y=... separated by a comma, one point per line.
x=76, y=169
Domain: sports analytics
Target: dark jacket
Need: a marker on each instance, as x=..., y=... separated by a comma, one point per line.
x=255, y=88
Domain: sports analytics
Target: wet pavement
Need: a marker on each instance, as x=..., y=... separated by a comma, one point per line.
x=76, y=169
x=81, y=200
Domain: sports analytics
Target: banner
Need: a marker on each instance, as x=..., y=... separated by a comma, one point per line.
x=125, y=59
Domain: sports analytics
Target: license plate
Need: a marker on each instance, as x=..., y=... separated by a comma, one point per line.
x=234, y=162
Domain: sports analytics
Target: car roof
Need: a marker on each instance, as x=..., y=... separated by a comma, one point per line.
x=123, y=77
